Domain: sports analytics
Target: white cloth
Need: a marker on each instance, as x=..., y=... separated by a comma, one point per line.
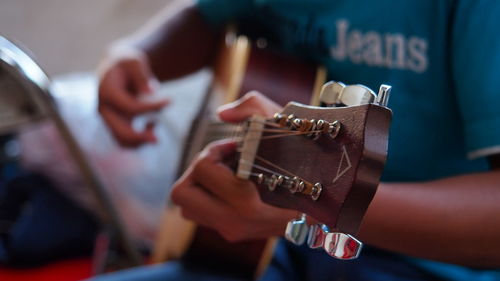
x=138, y=180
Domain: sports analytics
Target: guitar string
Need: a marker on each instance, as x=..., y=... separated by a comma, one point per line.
x=239, y=127
x=236, y=131
x=262, y=168
x=285, y=134
x=269, y=122
x=269, y=163
x=283, y=131
x=260, y=158
x=233, y=132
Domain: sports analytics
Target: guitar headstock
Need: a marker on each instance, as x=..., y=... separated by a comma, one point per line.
x=323, y=161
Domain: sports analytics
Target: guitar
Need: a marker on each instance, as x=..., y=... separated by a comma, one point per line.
x=242, y=66
x=248, y=259
x=323, y=161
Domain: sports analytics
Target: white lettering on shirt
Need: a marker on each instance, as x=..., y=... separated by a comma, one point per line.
x=390, y=50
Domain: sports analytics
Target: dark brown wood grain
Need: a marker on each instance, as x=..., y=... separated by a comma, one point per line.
x=347, y=191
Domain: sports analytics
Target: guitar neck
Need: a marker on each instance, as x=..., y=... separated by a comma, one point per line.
x=239, y=69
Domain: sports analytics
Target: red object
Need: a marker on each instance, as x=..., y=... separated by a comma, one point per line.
x=68, y=270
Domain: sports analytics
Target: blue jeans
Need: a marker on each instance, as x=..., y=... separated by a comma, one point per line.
x=39, y=224
x=292, y=263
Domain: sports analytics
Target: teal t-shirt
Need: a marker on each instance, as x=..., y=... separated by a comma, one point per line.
x=442, y=58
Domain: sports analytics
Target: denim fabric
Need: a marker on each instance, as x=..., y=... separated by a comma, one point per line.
x=292, y=263
x=40, y=224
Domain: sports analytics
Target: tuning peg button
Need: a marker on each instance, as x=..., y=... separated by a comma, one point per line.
x=334, y=94
x=383, y=95
x=297, y=230
x=317, y=235
x=342, y=246
x=357, y=95
x=330, y=93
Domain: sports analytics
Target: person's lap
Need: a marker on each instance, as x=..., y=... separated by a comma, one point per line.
x=44, y=225
x=292, y=263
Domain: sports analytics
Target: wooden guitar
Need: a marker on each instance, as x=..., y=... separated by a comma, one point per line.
x=325, y=162
x=241, y=67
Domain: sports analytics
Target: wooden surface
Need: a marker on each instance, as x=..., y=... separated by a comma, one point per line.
x=348, y=167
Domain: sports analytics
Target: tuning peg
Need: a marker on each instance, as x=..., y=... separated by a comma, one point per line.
x=338, y=94
x=383, y=95
x=297, y=230
x=356, y=95
x=330, y=93
x=342, y=246
x=317, y=235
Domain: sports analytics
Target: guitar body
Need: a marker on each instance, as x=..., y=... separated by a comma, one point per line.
x=241, y=67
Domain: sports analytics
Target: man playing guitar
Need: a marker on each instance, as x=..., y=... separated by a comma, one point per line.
x=435, y=214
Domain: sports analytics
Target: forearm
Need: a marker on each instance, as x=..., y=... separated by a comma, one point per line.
x=177, y=42
x=452, y=220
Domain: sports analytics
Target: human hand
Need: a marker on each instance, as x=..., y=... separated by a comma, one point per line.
x=125, y=80
x=252, y=103
x=210, y=194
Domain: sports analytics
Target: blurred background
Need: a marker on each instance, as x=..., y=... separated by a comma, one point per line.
x=71, y=35
x=67, y=38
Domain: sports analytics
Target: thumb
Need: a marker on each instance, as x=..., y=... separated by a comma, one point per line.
x=252, y=103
